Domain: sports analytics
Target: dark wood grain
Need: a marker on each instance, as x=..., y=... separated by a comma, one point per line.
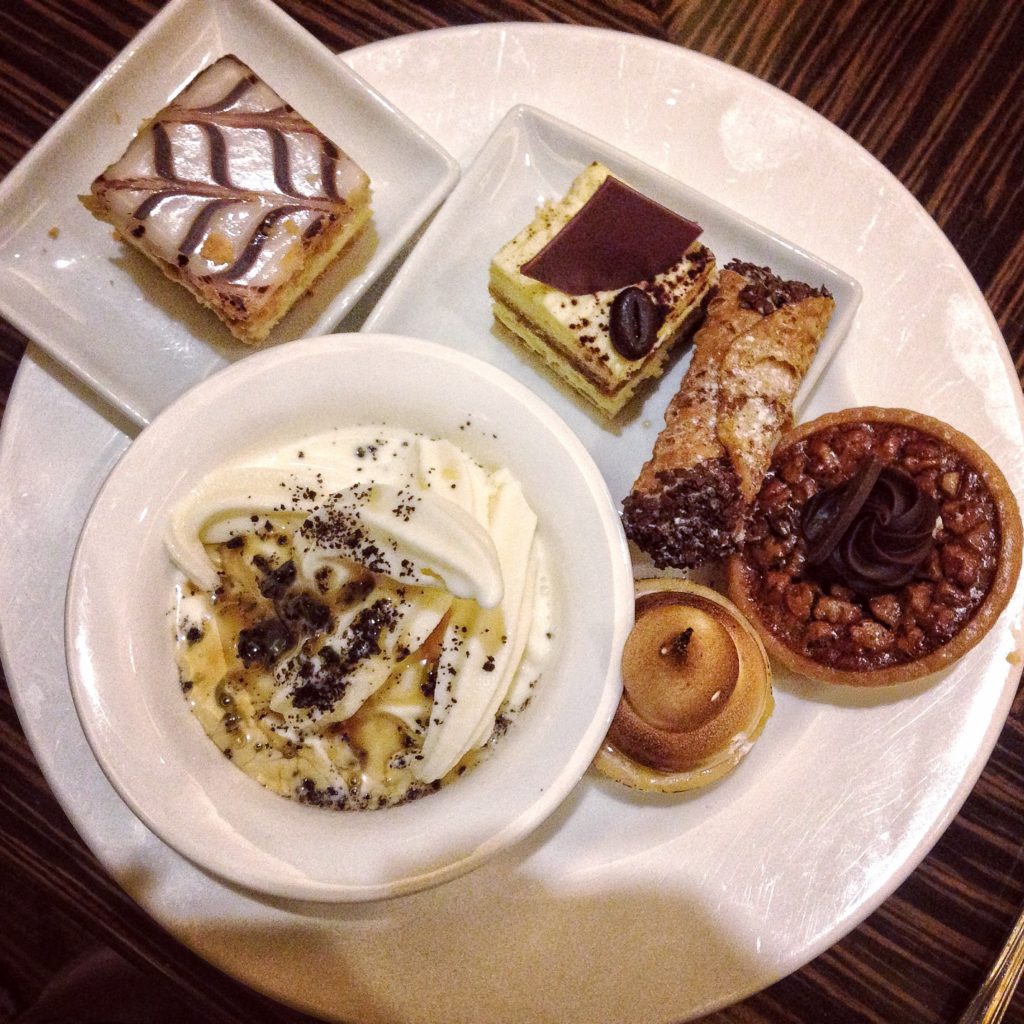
x=932, y=88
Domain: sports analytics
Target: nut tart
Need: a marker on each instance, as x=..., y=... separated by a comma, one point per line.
x=696, y=690
x=883, y=545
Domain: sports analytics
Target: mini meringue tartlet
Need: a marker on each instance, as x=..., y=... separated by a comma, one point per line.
x=696, y=690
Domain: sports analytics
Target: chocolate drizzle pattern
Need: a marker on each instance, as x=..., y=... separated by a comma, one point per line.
x=282, y=170
x=225, y=123
x=328, y=160
x=197, y=229
x=153, y=201
x=163, y=156
x=255, y=244
x=239, y=89
x=218, y=155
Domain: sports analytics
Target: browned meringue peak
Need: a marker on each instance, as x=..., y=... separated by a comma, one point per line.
x=696, y=690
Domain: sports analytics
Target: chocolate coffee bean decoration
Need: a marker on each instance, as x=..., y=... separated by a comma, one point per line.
x=634, y=322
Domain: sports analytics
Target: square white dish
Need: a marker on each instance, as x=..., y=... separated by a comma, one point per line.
x=441, y=290
x=107, y=312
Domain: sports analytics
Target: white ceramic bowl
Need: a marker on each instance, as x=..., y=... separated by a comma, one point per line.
x=120, y=637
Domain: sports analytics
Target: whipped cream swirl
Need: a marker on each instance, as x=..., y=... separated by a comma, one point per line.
x=361, y=612
x=873, y=532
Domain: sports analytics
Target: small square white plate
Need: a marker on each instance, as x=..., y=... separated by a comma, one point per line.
x=106, y=311
x=440, y=292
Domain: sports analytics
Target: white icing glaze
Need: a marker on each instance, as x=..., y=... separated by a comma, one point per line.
x=261, y=164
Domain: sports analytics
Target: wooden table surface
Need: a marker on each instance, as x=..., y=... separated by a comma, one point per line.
x=933, y=88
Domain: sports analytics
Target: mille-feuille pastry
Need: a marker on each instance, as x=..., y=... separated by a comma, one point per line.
x=601, y=284
x=688, y=504
x=883, y=545
x=696, y=690
x=236, y=196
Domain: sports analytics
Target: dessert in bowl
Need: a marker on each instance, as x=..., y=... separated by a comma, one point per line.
x=364, y=613
x=123, y=627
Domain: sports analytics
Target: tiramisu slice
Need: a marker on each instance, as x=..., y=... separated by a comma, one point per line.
x=234, y=194
x=601, y=284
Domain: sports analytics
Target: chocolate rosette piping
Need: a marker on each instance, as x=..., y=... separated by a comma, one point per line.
x=872, y=533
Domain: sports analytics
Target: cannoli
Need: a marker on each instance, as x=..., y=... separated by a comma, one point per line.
x=690, y=500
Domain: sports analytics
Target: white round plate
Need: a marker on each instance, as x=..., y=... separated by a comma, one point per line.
x=618, y=907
